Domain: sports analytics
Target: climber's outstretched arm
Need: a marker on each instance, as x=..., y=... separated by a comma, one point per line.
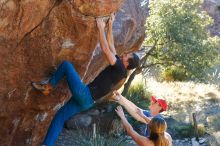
x=110, y=34
x=104, y=43
x=131, y=108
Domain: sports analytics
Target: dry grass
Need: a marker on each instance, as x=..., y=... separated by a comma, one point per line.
x=185, y=96
x=214, y=121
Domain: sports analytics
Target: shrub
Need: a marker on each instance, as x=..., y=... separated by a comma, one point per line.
x=185, y=130
x=139, y=96
x=188, y=130
x=174, y=74
x=201, y=129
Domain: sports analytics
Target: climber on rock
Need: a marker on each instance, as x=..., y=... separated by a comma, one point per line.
x=83, y=96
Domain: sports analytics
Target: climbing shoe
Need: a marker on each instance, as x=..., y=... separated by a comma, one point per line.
x=45, y=88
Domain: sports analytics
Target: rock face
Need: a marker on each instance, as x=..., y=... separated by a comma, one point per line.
x=35, y=37
x=213, y=9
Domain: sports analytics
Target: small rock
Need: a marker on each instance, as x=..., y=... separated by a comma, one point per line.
x=194, y=142
x=82, y=121
x=202, y=140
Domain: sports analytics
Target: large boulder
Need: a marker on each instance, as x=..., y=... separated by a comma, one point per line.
x=35, y=37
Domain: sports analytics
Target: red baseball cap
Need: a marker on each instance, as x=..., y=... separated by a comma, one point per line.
x=161, y=101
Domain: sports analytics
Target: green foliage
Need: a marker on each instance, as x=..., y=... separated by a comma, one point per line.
x=185, y=130
x=139, y=96
x=179, y=28
x=174, y=74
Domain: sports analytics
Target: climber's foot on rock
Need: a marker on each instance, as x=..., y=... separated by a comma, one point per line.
x=44, y=88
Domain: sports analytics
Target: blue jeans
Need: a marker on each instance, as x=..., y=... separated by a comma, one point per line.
x=81, y=100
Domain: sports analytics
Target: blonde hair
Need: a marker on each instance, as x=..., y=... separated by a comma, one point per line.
x=157, y=128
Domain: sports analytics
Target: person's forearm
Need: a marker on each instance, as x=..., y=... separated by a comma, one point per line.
x=103, y=41
x=131, y=108
x=140, y=140
x=127, y=126
x=110, y=39
x=104, y=44
x=147, y=119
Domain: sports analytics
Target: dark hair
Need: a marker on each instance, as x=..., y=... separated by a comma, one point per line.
x=133, y=62
x=161, y=110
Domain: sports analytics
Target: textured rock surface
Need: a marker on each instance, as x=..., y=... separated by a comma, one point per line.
x=35, y=36
x=101, y=115
x=213, y=9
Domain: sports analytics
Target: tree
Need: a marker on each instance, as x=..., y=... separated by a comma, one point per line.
x=177, y=35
